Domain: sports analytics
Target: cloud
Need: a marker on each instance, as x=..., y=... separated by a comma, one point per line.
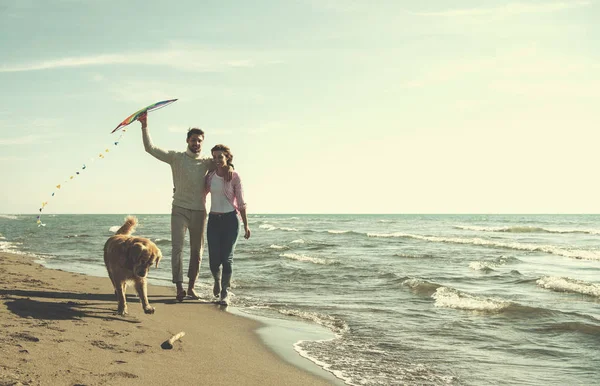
x=20, y=140
x=522, y=64
x=510, y=9
x=181, y=58
x=8, y=159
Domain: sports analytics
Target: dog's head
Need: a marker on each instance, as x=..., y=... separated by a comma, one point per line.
x=142, y=254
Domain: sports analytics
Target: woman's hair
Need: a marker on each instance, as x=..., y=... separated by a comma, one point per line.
x=226, y=152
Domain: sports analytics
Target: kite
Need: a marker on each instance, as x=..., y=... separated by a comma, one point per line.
x=132, y=118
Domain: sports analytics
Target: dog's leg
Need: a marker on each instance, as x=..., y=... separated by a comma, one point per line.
x=140, y=287
x=121, y=288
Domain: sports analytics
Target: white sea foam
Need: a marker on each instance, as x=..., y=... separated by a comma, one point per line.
x=572, y=253
x=288, y=229
x=338, y=326
x=299, y=241
x=8, y=216
x=526, y=229
x=275, y=246
x=114, y=228
x=295, y=256
x=271, y=227
x=566, y=284
x=326, y=366
x=482, y=266
x=11, y=247
x=337, y=232
x=450, y=298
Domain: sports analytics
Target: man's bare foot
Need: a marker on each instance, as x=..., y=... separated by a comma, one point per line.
x=180, y=296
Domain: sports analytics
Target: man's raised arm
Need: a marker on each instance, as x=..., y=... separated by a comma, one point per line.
x=154, y=151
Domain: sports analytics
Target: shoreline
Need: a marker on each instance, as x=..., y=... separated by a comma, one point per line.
x=60, y=327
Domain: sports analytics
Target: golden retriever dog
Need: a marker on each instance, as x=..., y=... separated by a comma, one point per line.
x=128, y=259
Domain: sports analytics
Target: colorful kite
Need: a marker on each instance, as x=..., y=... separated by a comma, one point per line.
x=102, y=155
x=133, y=117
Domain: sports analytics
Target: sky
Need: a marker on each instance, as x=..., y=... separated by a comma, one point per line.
x=329, y=106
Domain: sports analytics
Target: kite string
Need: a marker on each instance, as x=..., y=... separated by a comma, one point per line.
x=101, y=155
x=133, y=117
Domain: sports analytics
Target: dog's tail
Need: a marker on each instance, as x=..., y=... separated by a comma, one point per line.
x=129, y=226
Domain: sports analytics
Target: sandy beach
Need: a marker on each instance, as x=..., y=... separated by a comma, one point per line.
x=60, y=328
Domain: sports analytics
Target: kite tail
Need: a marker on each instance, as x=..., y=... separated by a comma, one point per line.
x=129, y=226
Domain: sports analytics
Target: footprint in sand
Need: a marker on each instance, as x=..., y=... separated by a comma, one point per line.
x=26, y=336
x=121, y=374
x=105, y=346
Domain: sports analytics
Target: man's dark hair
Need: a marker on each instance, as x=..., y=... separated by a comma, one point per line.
x=195, y=130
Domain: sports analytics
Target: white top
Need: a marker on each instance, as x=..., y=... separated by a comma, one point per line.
x=218, y=201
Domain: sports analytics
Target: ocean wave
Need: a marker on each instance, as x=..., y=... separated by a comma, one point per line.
x=114, y=228
x=484, y=266
x=566, y=284
x=275, y=246
x=72, y=236
x=525, y=229
x=451, y=298
x=421, y=287
x=416, y=256
x=297, y=257
x=162, y=241
x=270, y=227
x=489, y=266
x=580, y=254
x=584, y=328
x=11, y=247
x=338, y=326
x=298, y=241
x=336, y=232
x=324, y=365
x=8, y=216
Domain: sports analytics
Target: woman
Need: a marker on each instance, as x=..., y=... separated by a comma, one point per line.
x=227, y=200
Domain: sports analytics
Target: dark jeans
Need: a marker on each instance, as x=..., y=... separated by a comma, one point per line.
x=222, y=234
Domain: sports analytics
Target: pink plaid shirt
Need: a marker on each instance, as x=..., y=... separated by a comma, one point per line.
x=232, y=189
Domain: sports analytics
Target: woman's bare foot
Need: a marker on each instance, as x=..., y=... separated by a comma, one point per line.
x=191, y=293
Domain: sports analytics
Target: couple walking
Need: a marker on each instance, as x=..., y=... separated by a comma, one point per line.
x=194, y=177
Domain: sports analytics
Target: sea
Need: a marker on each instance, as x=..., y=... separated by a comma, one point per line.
x=408, y=299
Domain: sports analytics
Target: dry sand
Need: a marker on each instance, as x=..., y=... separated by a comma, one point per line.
x=60, y=328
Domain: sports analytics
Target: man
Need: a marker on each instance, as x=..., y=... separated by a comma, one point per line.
x=188, y=210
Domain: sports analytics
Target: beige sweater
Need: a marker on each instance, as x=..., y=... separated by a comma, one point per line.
x=188, y=170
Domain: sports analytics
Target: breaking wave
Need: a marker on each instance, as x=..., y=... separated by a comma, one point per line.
x=338, y=326
x=451, y=298
x=571, y=253
x=421, y=287
x=525, y=229
x=566, y=284
x=310, y=259
x=275, y=246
